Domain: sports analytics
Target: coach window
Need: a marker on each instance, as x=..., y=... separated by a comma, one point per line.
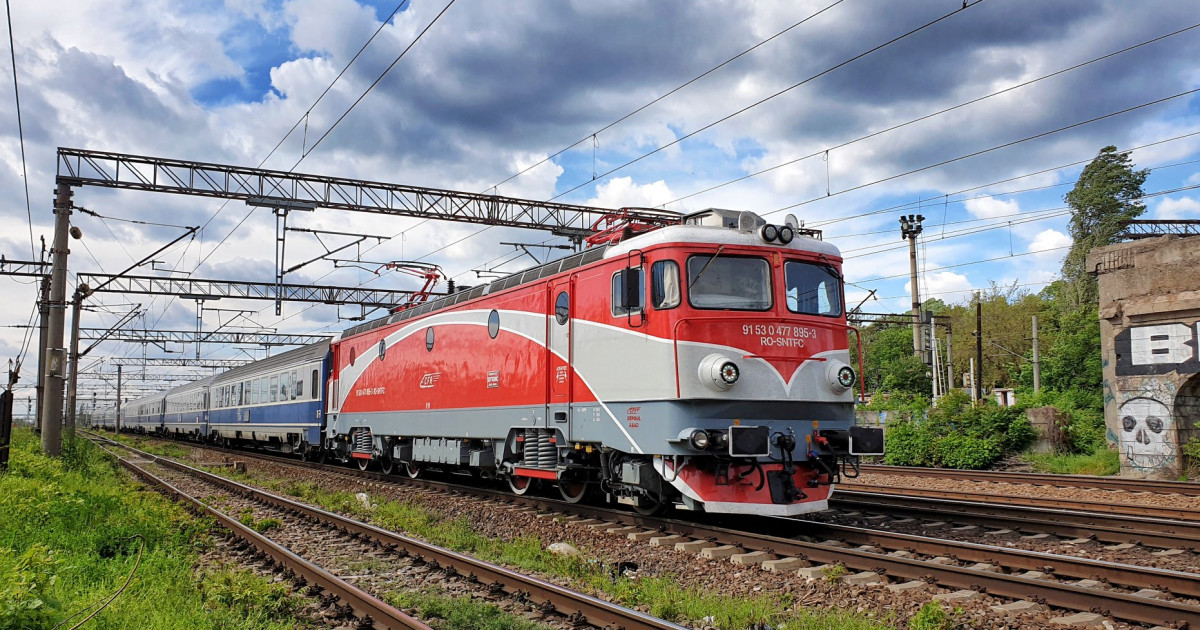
x=312, y=391
x=283, y=387
x=562, y=307
x=258, y=390
x=274, y=389
x=664, y=284
x=297, y=386
x=618, y=291
x=240, y=393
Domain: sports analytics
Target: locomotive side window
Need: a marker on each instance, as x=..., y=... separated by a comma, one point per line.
x=812, y=289
x=493, y=325
x=429, y=337
x=664, y=284
x=731, y=283
x=562, y=310
x=619, y=307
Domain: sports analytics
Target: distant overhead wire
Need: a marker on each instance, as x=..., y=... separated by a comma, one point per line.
x=666, y=95
x=306, y=150
x=989, y=149
x=873, y=134
x=747, y=108
x=12, y=47
x=909, y=204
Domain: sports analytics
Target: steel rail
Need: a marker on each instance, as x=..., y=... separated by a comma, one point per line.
x=1128, y=509
x=1105, y=527
x=578, y=607
x=1186, y=488
x=371, y=610
x=1121, y=605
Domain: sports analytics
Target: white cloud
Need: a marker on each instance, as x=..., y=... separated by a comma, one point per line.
x=1184, y=207
x=944, y=285
x=1195, y=178
x=990, y=207
x=1047, y=244
x=621, y=192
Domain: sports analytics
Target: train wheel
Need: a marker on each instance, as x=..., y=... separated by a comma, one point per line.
x=412, y=470
x=387, y=466
x=363, y=463
x=650, y=506
x=520, y=485
x=574, y=492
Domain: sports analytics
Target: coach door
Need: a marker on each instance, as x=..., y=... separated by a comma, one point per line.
x=559, y=334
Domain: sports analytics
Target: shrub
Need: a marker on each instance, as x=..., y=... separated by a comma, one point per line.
x=956, y=434
x=931, y=617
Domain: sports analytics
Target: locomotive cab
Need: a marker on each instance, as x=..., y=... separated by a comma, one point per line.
x=749, y=321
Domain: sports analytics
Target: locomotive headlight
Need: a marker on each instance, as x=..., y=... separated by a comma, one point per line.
x=841, y=376
x=845, y=376
x=718, y=371
x=786, y=234
x=699, y=439
x=769, y=233
x=730, y=372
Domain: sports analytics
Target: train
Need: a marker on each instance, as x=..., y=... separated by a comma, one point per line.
x=704, y=365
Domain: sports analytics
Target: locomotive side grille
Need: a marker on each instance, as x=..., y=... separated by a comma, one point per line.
x=362, y=441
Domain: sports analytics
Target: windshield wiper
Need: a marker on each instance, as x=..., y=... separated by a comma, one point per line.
x=705, y=267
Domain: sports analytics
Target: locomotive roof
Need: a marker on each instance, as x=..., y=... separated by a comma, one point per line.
x=700, y=234
x=303, y=354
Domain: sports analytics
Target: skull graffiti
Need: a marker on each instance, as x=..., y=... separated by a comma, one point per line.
x=1144, y=439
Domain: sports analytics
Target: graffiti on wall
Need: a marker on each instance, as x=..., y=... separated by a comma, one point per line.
x=1158, y=349
x=1146, y=434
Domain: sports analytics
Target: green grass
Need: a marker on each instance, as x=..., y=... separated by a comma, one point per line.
x=68, y=539
x=1102, y=462
x=446, y=612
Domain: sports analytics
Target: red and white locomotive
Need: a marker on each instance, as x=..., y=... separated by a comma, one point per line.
x=705, y=364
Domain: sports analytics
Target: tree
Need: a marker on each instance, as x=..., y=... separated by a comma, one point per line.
x=1108, y=193
x=889, y=362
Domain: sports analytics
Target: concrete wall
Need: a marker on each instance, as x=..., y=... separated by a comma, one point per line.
x=1149, y=329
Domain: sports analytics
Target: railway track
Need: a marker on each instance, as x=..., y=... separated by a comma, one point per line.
x=573, y=608
x=1061, y=581
x=1042, y=479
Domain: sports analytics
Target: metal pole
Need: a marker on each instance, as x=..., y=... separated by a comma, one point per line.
x=949, y=366
x=43, y=326
x=977, y=376
x=72, y=377
x=916, y=298
x=117, y=421
x=52, y=365
x=1037, y=363
x=910, y=228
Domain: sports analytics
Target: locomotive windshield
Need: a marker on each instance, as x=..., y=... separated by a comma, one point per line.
x=729, y=282
x=812, y=289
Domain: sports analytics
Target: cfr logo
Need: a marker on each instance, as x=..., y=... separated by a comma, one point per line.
x=428, y=380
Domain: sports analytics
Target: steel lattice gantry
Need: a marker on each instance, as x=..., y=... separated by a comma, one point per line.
x=31, y=268
x=180, y=362
x=79, y=167
x=191, y=336
x=216, y=289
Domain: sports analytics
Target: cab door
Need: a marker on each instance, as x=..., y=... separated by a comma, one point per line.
x=559, y=334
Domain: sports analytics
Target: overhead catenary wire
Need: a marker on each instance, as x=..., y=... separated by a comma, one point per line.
x=1043, y=134
x=702, y=129
x=825, y=152
x=12, y=47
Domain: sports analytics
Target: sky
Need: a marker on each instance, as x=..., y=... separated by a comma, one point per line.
x=845, y=113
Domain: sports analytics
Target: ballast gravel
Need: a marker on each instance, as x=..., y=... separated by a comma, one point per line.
x=885, y=602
